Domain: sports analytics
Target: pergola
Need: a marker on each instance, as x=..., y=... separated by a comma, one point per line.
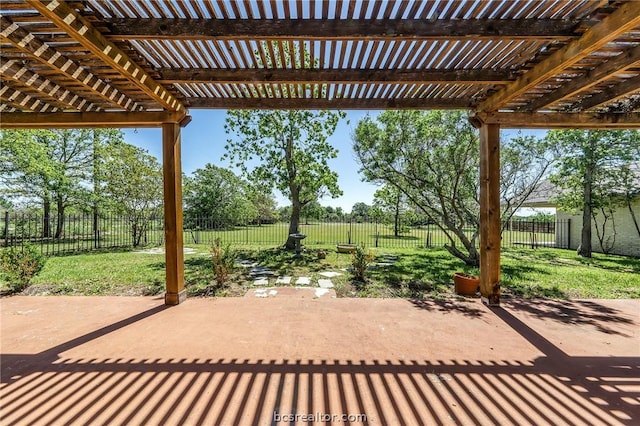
x=144, y=63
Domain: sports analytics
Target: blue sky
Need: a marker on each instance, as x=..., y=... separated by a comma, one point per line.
x=204, y=138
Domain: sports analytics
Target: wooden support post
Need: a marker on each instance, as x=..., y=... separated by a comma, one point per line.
x=172, y=171
x=490, y=213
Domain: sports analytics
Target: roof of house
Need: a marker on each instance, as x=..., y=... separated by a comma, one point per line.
x=546, y=193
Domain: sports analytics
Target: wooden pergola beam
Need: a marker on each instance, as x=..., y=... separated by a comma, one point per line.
x=284, y=76
x=621, y=21
x=323, y=103
x=173, y=223
x=29, y=43
x=612, y=94
x=21, y=74
x=556, y=120
x=81, y=30
x=328, y=29
x=490, y=226
x=615, y=65
x=74, y=120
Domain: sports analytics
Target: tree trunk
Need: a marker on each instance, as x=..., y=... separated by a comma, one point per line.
x=294, y=223
x=60, y=220
x=585, y=242
x=294, y=190
x=471, y=259
x=46, y=219
x=633, y=215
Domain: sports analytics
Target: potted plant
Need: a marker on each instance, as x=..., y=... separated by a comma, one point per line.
x=465, y=284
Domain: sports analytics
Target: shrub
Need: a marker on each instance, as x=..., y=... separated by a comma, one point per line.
x=19, y=265
x=224, y=259
x=360, y=260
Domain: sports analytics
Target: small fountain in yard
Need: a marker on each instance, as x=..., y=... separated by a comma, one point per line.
x=298, y=239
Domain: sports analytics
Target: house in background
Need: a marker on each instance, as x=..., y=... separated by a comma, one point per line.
x=620, y=231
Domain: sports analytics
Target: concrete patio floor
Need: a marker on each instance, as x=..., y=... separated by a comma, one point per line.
x=133, y=361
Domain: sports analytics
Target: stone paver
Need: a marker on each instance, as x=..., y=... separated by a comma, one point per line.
x=325, y=283
x=243, y=263
x=303, y=281
x=261, y=271
x=321, y=292
x=261, y=281
x=283, y=280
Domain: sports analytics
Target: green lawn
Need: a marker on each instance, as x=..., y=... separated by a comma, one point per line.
x=418, y=273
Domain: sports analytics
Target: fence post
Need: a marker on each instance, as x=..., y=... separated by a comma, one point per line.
x=349, y=233
x=377, y=235
x=569, y=233
x=6, y=229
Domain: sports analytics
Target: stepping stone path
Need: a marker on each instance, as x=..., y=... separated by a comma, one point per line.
x=283, y=280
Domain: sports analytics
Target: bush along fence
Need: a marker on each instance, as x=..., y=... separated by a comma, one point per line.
x=86, y=232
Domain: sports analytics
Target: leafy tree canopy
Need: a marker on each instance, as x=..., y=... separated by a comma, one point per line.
x=216, y=197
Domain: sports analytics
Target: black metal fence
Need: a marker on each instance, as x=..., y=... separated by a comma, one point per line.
x=86, y=232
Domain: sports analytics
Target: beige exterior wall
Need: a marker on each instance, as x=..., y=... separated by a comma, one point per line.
x=627, y=240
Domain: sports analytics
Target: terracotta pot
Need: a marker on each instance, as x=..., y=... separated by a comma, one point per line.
x=464, y=284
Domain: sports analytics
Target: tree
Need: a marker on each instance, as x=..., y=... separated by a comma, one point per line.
x=591, y=169
x=393, y=208
x=287, y=150
x=433, y=159
x=264, y=203
x=133, y=184
x=218, y=196
x=360, y=212
x=54, y=166
x=312, y=210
